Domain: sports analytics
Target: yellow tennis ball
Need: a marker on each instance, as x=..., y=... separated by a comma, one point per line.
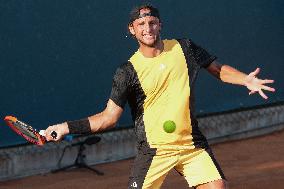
x=169, y=126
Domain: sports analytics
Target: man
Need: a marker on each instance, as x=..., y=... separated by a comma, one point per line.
x=158, y=83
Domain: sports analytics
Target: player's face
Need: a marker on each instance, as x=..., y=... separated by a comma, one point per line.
x=146, y=30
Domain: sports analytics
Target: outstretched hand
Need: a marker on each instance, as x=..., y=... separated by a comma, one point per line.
x=255, y=84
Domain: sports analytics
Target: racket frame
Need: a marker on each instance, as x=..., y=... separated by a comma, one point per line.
x=39, y=139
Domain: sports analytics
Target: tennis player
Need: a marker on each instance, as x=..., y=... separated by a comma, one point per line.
x=158, y=84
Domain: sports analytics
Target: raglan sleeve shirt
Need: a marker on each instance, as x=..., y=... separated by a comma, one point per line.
x=120, y=86
x=196, y=56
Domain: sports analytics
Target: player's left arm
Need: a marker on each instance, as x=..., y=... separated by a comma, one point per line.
x=231, y=75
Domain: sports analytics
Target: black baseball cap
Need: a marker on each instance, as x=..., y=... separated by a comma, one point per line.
x=135, y=13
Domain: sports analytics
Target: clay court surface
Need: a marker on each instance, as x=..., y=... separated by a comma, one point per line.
x=253, y=163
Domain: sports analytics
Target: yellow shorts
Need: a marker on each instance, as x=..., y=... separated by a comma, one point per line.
x=151, y=166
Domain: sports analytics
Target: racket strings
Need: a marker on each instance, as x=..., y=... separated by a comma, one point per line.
x=25, y=129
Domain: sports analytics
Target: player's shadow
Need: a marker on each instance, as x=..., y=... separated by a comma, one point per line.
x=80, y=159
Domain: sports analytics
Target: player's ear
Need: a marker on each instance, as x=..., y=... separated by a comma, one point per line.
x=131, y=29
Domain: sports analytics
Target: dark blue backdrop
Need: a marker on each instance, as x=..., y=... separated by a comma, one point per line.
x=57, y=58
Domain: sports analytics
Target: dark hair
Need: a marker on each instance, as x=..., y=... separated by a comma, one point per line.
x=135, y=12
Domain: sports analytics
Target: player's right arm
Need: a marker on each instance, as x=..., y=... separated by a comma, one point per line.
x=104, y=120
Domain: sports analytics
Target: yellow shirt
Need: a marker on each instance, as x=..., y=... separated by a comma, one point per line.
x=159, y=89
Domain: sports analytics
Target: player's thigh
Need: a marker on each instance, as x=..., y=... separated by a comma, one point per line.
x=150, y=169
x=200, y=167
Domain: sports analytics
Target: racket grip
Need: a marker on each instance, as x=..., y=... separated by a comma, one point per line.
x=68, y=138
x=54, y=134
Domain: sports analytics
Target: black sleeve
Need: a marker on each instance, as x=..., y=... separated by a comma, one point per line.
x=120, y=86
x=201, y=56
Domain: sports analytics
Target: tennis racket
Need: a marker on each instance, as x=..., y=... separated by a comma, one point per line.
x=27, y=131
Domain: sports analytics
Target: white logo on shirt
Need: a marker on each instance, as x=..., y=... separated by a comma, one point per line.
x=162, y=67
x=134, y=185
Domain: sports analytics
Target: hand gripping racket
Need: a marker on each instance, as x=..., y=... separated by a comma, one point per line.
x=27, y=131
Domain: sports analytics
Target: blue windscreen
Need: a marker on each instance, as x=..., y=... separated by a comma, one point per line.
x=57, y=58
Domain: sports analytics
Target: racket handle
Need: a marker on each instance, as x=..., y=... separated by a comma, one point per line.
x=68, y=138
x=54, y=134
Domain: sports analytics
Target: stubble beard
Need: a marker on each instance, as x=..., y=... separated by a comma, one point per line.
x=152, y=45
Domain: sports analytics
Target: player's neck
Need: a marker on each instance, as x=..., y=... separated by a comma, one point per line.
x=151, y=52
